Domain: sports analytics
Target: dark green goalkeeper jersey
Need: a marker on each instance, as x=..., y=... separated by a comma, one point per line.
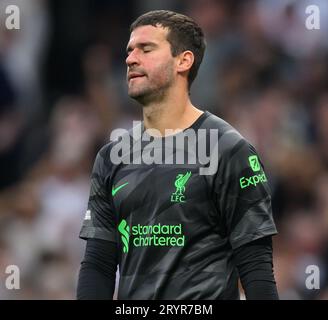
x=174, y=226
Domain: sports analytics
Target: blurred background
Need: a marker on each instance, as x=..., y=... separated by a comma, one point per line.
x=62, y=91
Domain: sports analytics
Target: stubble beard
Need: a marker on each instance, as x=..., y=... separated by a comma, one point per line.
x=155, y=91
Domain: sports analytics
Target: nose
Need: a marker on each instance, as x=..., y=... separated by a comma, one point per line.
x=132, y=58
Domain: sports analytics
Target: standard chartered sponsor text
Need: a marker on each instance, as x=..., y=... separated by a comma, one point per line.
x=158, y=235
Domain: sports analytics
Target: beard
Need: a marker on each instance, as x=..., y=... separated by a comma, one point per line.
x=152, y=88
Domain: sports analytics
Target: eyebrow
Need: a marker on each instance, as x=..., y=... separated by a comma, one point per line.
x=141, y=45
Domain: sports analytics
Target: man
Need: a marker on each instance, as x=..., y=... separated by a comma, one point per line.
x=175, y=231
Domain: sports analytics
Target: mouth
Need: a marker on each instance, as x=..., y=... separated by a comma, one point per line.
x=132, y=76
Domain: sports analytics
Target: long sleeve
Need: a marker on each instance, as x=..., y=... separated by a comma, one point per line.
x=255, y=267
x=98, y=271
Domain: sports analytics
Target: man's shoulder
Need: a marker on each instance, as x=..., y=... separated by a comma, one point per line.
x=228, y=136
x=118, y=135
x=118, y=138
x=105, y=150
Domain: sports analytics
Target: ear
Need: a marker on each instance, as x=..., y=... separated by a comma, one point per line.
x=185, y=61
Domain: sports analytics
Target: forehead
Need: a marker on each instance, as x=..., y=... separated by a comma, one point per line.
x=148, y=33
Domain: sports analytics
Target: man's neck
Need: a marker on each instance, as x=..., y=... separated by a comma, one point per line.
x=175, y=114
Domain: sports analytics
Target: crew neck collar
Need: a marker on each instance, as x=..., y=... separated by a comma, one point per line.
x=195, y=125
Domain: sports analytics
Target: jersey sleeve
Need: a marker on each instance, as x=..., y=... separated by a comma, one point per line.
x=99, y=221
x=242, y=195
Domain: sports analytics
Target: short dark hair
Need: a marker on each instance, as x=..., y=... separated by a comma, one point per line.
x=184, y=34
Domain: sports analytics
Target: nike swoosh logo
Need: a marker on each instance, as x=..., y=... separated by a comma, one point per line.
x=115, y=190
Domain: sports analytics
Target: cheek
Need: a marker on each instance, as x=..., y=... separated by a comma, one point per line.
x=163, y=72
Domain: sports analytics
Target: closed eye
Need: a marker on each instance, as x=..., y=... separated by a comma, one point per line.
x=147, y=49
x=144, y=50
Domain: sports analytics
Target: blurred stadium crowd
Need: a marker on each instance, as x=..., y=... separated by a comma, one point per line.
x=62, y=91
